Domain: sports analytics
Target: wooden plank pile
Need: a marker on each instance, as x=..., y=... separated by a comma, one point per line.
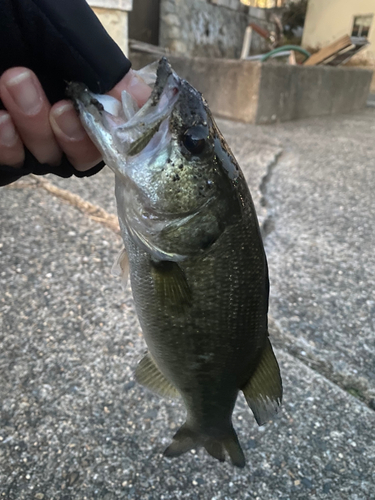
x=338, y=52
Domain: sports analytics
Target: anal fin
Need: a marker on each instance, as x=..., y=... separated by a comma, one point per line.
x=264, y=391
x=148, y=374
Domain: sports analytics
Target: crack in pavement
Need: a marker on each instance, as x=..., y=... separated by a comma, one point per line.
x=268, y=224
x=358, y=387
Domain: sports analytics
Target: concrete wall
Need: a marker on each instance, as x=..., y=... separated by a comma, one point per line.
x=267, y=93
x=292, y=92
x=113, y=14
x=328, y=20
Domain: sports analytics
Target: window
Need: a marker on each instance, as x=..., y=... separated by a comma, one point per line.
x=361, y=25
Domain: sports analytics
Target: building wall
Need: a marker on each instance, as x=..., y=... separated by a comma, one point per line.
x=116, y=23
x=113, y=14
x=328, y=20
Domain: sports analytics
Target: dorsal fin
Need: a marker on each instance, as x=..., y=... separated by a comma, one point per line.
x=148, y=374
x=264, y=391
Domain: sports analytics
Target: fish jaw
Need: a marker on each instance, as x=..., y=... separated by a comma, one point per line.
x=93, y=119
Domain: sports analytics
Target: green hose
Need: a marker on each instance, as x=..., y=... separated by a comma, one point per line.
x=286, y=47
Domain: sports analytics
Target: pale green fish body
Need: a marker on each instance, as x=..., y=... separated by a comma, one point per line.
x=198, y=270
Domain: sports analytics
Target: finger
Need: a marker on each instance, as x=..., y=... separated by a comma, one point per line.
x=133, y=84
x=12, y=152
x=72, y=138
x=27, y=104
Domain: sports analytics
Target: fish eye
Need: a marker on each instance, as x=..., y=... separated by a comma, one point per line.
x=194, y=139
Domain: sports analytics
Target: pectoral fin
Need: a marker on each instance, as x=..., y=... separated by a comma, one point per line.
x=149, y=375
x=171, y=285
x=264, y=390
x=120, y=268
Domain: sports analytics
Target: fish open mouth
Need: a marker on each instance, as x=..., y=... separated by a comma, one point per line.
x=122, y=128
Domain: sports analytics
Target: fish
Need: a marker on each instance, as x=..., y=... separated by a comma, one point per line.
x=195, y=257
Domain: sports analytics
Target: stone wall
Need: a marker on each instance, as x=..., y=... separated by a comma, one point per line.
x=201, y=28
x=210, y=28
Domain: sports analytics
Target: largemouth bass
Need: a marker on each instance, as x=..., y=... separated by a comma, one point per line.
x=193, y=248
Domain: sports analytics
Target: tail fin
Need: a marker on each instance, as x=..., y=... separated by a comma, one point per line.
x=186, y=439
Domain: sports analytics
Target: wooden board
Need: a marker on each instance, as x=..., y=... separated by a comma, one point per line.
x=147, y=48
x=329, y=51
x=344, y=55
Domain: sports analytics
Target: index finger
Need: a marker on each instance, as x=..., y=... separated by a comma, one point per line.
x=27, y=104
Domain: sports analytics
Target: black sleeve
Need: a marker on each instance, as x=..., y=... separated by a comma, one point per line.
x=61, y=41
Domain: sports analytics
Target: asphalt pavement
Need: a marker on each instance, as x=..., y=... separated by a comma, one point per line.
x=73, y=422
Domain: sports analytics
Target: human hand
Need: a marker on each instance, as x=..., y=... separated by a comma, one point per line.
x=49, y=131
